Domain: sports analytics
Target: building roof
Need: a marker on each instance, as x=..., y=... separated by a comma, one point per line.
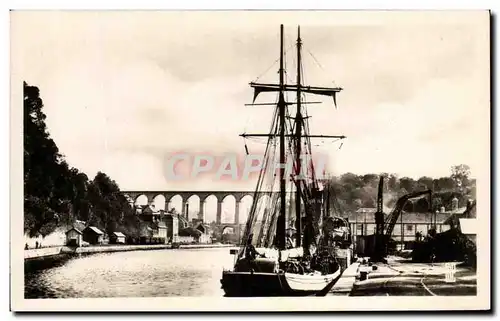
x=183, y=219
x=440, y=218
x=149, y=209
x=155, y=225
x=190, y=231
x=74, y=229
x=468, y=225
x=167, y=214
x=119, y=234
x=372, y=210
x=206, y=228
x=363, y=216
x=460, y=215
x=79, y=225
x=95, y=230
x=408, y=217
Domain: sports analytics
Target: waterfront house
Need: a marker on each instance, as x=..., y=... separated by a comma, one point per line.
x=145, y=230
x=74, y=237
x=149, y=213
x=93, y=235
x=172, y=222
x=153, y=232
x=159, y=229
x=117, y=238
x=410, y=226
x=203, y=228
x=196, y=221
x=189, y=234
x=465, y=220
x=205, y=237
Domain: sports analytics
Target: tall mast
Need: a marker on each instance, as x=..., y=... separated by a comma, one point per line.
x=298, y=120
x=281, y=224
x=281, y=88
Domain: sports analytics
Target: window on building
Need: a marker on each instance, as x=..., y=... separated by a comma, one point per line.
x=359, y=227
x=409, y=228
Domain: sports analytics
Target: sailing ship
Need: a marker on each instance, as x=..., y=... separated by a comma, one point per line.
x=309, y=255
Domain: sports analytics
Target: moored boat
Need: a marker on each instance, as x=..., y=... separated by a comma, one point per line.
x=311, y=260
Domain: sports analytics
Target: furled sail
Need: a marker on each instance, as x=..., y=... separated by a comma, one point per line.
x=323, y=91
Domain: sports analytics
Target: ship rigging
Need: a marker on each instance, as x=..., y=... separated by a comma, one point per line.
x=310, y=264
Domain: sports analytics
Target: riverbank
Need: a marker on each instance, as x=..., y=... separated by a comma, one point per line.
x=58, y=250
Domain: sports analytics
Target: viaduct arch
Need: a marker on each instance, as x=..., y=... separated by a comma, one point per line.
x=203, y=195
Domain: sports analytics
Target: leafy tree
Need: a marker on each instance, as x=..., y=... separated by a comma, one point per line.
x=471, y=189
x=351, y=180
x=109, y=205
x=402, y=191
x=437, y=202
x=55, y=194
x=41, y=168
x=392, y=182
x=409, y=184
x=425, y=182
x=370, y=179
x=460, y=174
x=421, y=205
x=40, y=219
x=349, y=192
x=444, y=184
x=368, y=196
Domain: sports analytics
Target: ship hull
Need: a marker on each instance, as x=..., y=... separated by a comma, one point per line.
x=258, y=284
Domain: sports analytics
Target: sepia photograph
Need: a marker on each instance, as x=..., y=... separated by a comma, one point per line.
x=250, y=160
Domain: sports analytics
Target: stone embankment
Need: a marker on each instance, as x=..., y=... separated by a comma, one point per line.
x=52, y=251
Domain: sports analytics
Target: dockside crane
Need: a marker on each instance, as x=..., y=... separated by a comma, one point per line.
x=380, y=243
x=394, y=216
x=384, y=229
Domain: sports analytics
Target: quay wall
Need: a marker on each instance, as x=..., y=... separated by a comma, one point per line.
x=42, y=252
x=55, y=251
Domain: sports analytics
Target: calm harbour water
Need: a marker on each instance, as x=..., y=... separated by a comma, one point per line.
x=158, y=273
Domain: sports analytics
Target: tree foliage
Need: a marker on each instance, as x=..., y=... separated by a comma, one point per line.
x=460, y=175
x=353, y=191
x=56, y=194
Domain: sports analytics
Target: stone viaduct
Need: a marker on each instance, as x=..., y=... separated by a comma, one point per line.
x=203, y=195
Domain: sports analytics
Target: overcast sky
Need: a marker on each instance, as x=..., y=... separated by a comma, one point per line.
x=124, y=90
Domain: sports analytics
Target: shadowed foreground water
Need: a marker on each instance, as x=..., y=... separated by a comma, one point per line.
x=160, y=273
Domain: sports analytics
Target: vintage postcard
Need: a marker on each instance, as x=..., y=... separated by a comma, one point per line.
x=250, y=160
